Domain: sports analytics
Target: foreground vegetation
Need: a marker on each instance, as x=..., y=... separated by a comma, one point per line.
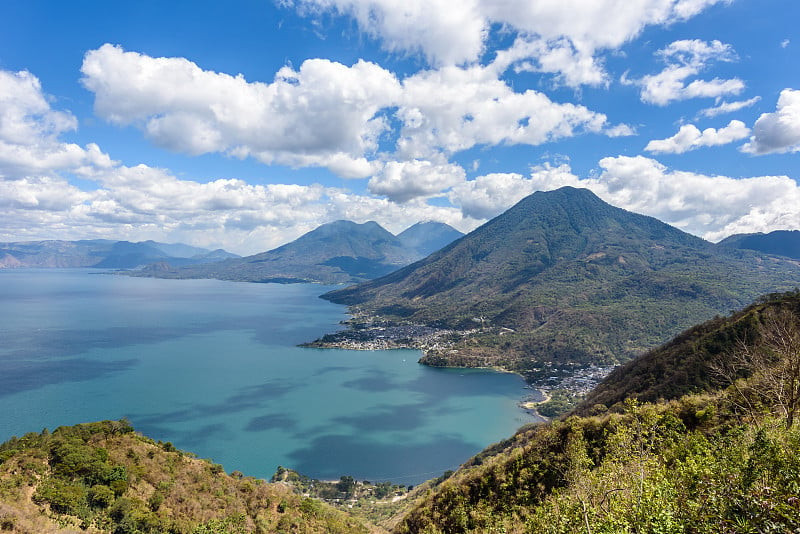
x=688, y=466
x=103, y=477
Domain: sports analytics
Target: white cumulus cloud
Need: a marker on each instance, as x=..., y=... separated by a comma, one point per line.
x=323, y=114
x=571, y=65
x=139, y=202
x=689, y=137
x=401, y=181
x=560, y=36
x=490, y=195
x=779, y=131
x=326, y=114
x=729, y=107
x=454, y=108
x=686, y=59
x=29, y=132
x=437, y=29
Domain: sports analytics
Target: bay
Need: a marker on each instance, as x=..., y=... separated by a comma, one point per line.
x=214, y=368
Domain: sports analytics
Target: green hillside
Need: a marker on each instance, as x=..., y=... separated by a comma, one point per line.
x=780, y=242
x=103, y=477
x=688, y=362
x=564, y=279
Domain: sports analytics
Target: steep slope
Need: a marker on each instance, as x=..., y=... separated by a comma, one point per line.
x=690, y=466
x=425, y=238
x=335, y=253
x=102, y=477
x=685, y=363
x=562, y=278
x=780, y=242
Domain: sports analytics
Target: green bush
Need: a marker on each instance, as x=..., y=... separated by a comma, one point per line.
x=101, y=496
x=63, y=497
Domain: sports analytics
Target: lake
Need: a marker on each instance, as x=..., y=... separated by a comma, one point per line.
x=214, y=368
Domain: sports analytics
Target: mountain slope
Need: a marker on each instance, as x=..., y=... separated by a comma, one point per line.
x=53, y=254
x=425, y=238
x=102, y=477
x=685, y=363
x=780, y=242
x=334, y=253
x=562, y=278
x=690, y=466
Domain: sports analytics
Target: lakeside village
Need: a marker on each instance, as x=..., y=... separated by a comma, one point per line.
x=559, y=391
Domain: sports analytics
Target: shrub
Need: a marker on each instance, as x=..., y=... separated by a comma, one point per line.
x=63, y=497
x=101, y=496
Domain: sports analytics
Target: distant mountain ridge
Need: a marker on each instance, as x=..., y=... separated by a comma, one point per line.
x=339, y=252
x=780, y=242
x=102, y=253
x=563, y=279
x=427, y=237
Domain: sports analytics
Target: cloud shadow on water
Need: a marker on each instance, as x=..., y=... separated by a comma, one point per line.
x=196, y=438
x=248, y=398
x=439, y=384
x=200, y=436
x=386, y=419
x=270, y=421
x=19, y=376
x=59, y=343
x=374, y=382
x=332, y=369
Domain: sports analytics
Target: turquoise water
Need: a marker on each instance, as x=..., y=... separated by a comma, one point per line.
x=214, y=368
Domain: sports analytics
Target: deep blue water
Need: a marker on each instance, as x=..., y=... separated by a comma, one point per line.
x=214, y=368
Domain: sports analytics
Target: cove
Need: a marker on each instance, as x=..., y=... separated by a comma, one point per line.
x=214, y=368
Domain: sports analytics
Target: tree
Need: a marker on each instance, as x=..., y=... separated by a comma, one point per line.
x=771, y=365
x=346, y=484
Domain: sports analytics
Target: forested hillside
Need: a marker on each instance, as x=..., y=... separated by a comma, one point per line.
x=694, y=361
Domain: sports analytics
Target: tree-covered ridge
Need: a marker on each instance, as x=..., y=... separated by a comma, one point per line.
x=562, y=278
x=691, y=361
x=780, y=242
x=103, y=477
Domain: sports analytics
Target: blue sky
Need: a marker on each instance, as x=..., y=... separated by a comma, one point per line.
x=244, y=124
